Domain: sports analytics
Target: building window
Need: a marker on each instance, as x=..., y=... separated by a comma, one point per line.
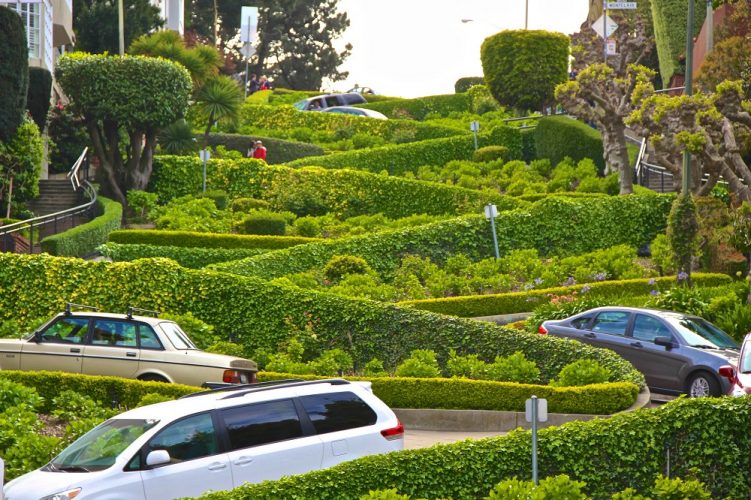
x=30, y=13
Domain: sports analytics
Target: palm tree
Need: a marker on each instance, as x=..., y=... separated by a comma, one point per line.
x=219, y=99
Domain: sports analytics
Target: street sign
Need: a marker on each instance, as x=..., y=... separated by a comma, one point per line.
x=611, y=26
x=612, y=48
x=621, y=5
x=474, y=126
x=542, y=410
x=204, y=155
x=491, y=211
x=248, y=24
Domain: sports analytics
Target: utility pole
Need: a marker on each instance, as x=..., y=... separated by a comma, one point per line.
x=688, y=89
x=121, y=26
x=710, y=26
x=526, y=13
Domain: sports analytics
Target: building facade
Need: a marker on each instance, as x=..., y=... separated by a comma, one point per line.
x=173, y=13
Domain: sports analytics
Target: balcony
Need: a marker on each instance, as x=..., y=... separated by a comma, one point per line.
x=62, y=22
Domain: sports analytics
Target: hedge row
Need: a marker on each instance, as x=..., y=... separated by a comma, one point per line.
x=257, y=314
x=287, y=117
x=420, y=107
x=194, y=258
x=397, y=159
x=316, y=191
x=463, y=84
x=205, y=240
x=277, y=150
x=555, y=225
x=701, y=437
x=559, y=136
x=466, y=394
x=515, y=302
x=669, y=21
x=82, y=240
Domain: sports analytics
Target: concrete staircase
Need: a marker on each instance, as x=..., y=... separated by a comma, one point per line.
x=54, y=195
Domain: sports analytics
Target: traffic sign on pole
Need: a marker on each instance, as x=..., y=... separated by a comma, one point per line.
x=621, y=5
x=598, y=26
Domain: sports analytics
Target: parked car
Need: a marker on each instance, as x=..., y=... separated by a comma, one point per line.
x=322, y=102
x=740, y=376
x=677, y=353
x=350, y=110
x=218, y=440
x=361, y=90
x=122, y=345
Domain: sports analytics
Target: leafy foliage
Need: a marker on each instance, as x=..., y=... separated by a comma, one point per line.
x=683, y=227
x=38, y=99
x=82, y=240
x=95, y=23
x=670, y=35
x=419, y=108
x=21, y=163
x=14, y=72
x=557, y=137
x=582, y=372
x=68, y=136
x=465, y=83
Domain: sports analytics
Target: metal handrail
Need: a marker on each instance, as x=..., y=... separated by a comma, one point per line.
x=73, y=173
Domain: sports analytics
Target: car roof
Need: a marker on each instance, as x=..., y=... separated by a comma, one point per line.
x=365, y=111
x=657, y=312
x=96, y=314
x=237, y=395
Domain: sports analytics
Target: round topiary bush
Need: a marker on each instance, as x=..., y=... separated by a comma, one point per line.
x=14, y=72
x=522, y=67
x=341, y=265
x=463, y=84
x=263, y=222
x=248, y=204
x=490, y=153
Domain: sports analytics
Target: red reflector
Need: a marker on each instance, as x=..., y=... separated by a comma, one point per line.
x=542, y=330
x=394, y=432
x=231, y=377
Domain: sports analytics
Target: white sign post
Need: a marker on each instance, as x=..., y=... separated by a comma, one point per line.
x=204, y=154
x=612, y=47
x=491, y=212
x=248, y=28
x=603, y=24
x=536, y=410
x=475, y=127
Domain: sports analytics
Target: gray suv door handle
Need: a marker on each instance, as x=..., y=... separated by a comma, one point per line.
x=589, y=335
x=243, y=460
x=217, y=466
x=637, y=344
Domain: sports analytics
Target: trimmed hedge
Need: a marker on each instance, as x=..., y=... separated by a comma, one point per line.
x=38, y=99
x=669, y=21
x=700, y=437
x=108, y=391
x=463, y=84
x=397, y=159
x=194, y=258
x=344, y=192
x=287, y=117
x=14, y=72
x=205, y=240
x=559, y=136
x=466, y=394
x=472, y=306
x=554, y=225
x=257, y=314
x=522, y=67
x=277, y=150
x=420, y=107
x=82, y=240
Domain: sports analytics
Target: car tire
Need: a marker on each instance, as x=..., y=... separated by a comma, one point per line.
x=703, y=384
x=152, y=378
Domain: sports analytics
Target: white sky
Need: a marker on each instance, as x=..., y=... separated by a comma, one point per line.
x=414, y=48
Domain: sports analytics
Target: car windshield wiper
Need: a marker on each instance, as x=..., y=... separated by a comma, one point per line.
x=705, y=346
x=73, y=468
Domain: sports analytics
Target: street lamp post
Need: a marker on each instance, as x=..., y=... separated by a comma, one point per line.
x=710, y=26
x=121, y=26
x=526, y=13
x=688, y=89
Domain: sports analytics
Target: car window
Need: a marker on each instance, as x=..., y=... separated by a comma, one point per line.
x=353, y=99
x=337, y=411
x=66, y=330
x=149, y=339
x=647, y=328
x=300, y=105
x=702, y=334
x=177, y=337
x=612, y=322
x=262, y=423
x=113, y=333
x=581, y=323
x=332, y=101
x=187, y=439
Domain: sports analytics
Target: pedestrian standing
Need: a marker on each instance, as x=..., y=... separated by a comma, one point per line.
x=251, y=150
x=254, y=85
x=259, y=152
x=263, y=83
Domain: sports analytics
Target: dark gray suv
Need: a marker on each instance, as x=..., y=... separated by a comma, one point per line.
x=677, y=353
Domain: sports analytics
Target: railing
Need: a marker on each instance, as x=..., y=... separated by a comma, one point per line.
x=10, y=234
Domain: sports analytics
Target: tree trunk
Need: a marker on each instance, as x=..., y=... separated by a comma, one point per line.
x=616, y=154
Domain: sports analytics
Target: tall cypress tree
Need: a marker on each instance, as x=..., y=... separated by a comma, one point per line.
x=14, y=72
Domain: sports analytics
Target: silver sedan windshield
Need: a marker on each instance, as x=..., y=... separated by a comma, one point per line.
x=702, y=334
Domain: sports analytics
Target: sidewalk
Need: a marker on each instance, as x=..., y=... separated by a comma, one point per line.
x=423, y=439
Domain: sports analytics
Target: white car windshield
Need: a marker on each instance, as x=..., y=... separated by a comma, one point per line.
x=98, y=449
x=178, y=338
x=702, y=334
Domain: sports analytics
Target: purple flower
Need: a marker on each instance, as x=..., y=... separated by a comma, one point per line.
x=600, y=276
x=651, y=282
x=585, y=289
x=538, y=281
x=570, y=281
x=528, y=286
x=682, y=276
x=654, y=293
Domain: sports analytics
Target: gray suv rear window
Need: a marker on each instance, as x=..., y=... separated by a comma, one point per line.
x=337, y=411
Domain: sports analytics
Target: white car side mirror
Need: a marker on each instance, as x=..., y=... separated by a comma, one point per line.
x=158, y=457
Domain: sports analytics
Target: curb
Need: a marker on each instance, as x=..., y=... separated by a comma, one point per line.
x=492, y=421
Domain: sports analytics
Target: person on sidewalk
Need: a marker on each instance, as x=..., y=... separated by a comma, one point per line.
x=259, y=152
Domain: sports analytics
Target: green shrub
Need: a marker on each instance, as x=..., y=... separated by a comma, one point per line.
x=549, y=488
x=189, y=213
x=374, y=368
x=736, y=320
x=15, y=421
x=70, y=405
x=582, y=372
x=30, y=452
x=391, y=494
x=17, y=395
x=522, y=67
x=341, y=265
x=514, y=368
x=219, y=197
x=194, y=258
x=421, y=363
x=463, y=84
x=469, y=366
x=205, y=240
x=557, y=137
x=83, y=240
x=141, y=203
x=490, y=153
x=420, y=107
x=14, y=73
x=263, y=222
x=39, y=93
x=308, y=227
x=670, y=36
x=248, y=204
x=681, y=299
x=153, y=398
x=277, y=150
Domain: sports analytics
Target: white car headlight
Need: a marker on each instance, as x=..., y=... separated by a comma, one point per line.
x=63, y=495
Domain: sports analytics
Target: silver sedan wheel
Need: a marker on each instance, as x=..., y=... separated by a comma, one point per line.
x=700, y=388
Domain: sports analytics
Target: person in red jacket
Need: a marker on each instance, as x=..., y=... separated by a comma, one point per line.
x=259, y=151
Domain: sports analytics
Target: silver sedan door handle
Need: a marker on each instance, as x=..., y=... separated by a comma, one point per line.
x=243, y=460
x=130, y=354
x=75, y=349
x=217, y=466
x=636, y=344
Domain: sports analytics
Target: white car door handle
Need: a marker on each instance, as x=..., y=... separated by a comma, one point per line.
x=243, y=460
x=217, y=466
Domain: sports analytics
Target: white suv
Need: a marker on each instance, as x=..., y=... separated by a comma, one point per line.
x=218, y=440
